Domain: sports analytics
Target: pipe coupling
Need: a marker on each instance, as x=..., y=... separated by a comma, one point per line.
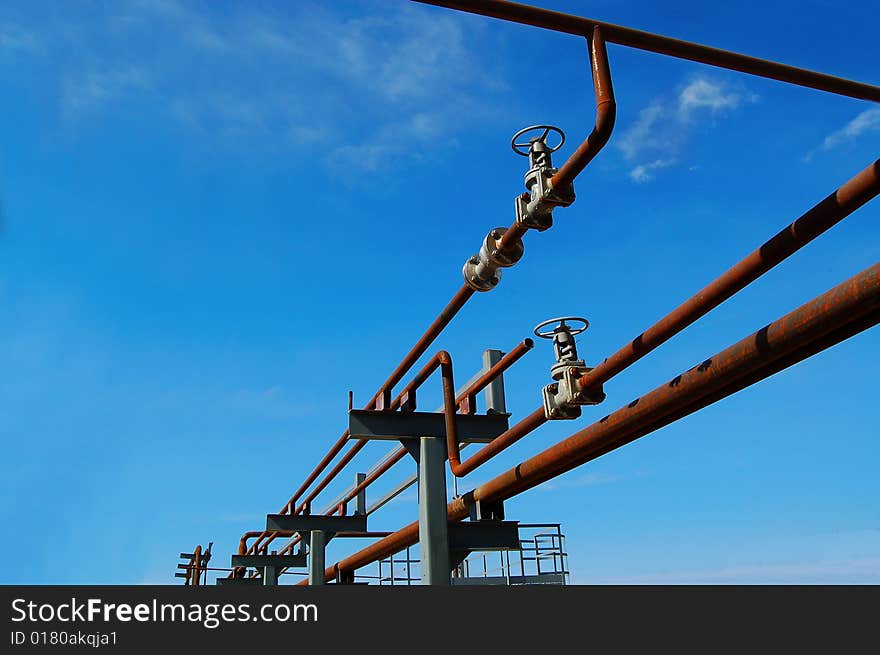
x=482, y=271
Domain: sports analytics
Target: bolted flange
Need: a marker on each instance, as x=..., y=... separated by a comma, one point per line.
x=482, y=271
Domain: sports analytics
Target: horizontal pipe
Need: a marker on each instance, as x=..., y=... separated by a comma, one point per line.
x=845, y=310
x=437, y=326
x=664, y=45
x=461, y=297
x=458, y=300
x=475, y=387
x=848, y=302
x=822, y=217
x=503, y=441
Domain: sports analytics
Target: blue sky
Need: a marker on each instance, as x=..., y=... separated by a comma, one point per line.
x=219, y=218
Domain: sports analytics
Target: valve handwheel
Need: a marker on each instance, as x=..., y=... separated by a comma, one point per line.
x=562, y=324
x=542, y=137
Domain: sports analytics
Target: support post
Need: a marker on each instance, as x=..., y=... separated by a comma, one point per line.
x=317, y=542
x=361, y=499
x=495, y=391
x=270, y=576
x=433, y=534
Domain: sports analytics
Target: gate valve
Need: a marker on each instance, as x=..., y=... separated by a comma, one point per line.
x=563, y=398
x=534, y=209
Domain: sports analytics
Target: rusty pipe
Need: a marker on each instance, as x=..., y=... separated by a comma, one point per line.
x=664, y=45
x=478, y=385
x=606, y=111
x=443, y=319
x=452, y=308
x=846, y=303
x=834, y=208
x=822, y=217
x=503, y=441
x=195, y=572
x=474, y=388
x=461, y=297
x=493, y=372
x=847, y=309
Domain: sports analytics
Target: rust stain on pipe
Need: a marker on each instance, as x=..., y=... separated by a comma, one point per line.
x=845, y=310
x=823, y=216
x=664, y=45
x=606, y=112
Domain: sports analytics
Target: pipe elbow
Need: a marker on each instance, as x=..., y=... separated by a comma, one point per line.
x=606, y=115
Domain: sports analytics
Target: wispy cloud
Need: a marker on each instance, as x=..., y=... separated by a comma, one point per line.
x=655, y=139
x=371, y=90
x=644, y=172
x=866, y=122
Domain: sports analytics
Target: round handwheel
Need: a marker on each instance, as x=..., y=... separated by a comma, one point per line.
x=562, y=320
x=526, y=143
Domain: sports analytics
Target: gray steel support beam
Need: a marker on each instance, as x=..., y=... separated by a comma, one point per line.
x=270, y=576
x=308, y=522
x=495, y=403
x=279, y=561
x=433, y=525
x=361, y=498
x=477, y=428
x=317, y=544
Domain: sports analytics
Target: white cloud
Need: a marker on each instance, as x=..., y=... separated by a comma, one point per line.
x=703, y=93
x=645, y=133
x=371, y=89
x=867, y=121
x=660, y=131
x=644, y=172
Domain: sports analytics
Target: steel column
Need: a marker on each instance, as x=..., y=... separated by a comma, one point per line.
x=433, y=528
x=495, y=389
x=317, y=544
x=845, y=310
x=270, y=576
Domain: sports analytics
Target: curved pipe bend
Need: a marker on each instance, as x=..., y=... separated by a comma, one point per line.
x=606, y=113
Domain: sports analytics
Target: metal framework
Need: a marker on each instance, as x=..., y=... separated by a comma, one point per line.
x=849, y=308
